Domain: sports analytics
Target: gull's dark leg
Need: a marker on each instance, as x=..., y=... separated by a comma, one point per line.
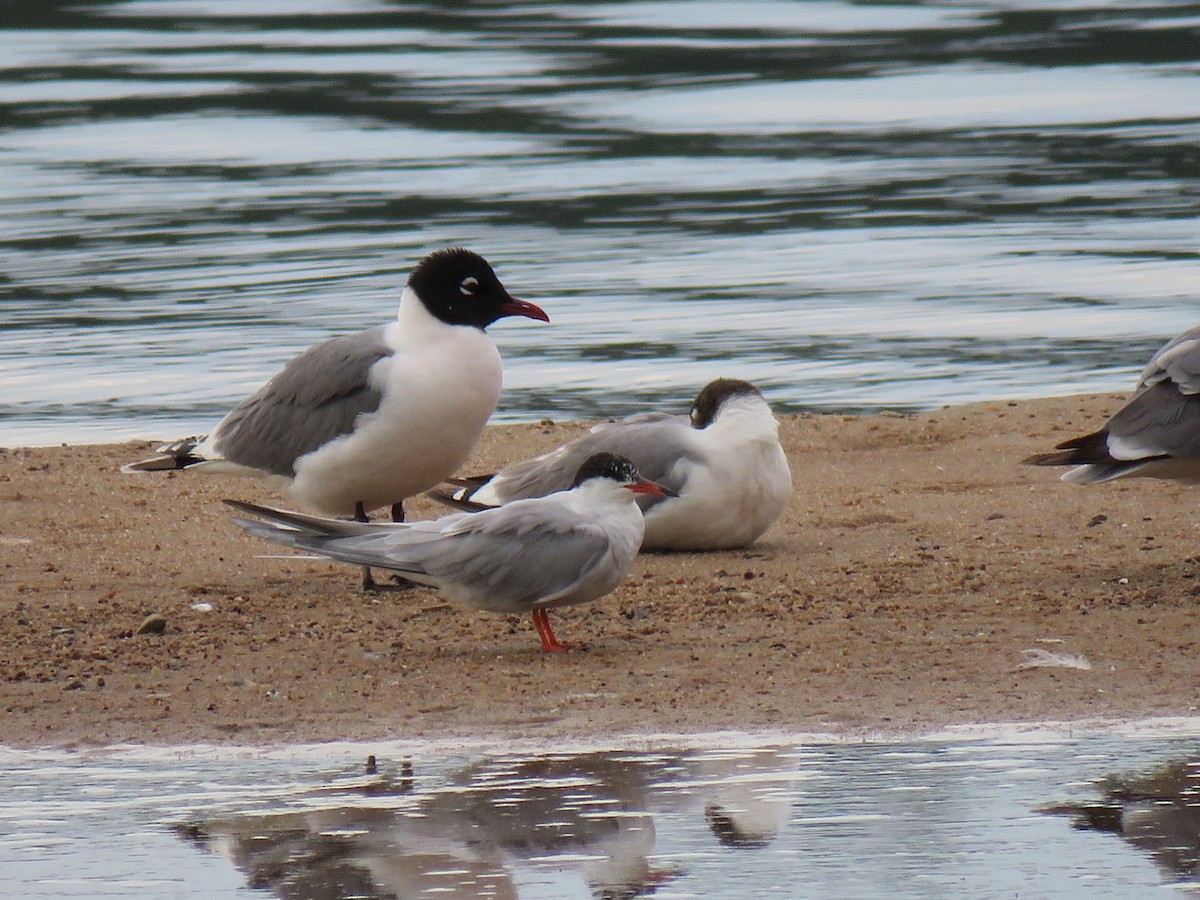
x=368, y=581
x=360, y=515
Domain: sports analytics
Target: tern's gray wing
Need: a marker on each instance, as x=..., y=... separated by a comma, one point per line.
x=506, y=558
x=657, y=446
x=516, y=555
x=1178, y=362
x=317, y=397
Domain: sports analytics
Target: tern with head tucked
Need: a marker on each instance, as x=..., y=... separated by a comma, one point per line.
x=369, y=419
x=1155, y=435
x=724, y=461
x=569, y=547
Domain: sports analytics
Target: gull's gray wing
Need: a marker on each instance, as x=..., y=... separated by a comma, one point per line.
x=317, y=397
x=655, y=444
x=1161, y=420
x=1178, y=361
x=1160, y=423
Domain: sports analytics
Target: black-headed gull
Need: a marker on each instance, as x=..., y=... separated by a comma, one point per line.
x=369, y=419
x=1155, y=435
x=569, y=547
x=724, y=461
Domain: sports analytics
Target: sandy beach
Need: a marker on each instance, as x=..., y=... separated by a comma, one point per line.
x=916, y=565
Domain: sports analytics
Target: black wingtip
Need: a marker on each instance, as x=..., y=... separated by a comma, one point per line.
x=455, y=502
x=474, y=482
x=163, y=463
x=1059, y=458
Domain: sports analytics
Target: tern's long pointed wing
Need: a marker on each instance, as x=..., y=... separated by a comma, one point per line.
x=662, y=448
x=506, y=558
x=528, y=551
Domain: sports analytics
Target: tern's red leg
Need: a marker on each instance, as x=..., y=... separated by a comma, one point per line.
x=550, y=644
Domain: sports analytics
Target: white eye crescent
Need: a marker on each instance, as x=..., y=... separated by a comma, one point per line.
x=469, y=284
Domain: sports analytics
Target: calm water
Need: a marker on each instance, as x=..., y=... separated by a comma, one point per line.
x=856, y=206
x=1037, y=814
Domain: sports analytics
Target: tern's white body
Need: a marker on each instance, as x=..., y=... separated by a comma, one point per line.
x=734, y=486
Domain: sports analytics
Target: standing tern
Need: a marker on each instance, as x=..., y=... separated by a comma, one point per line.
x=569, y=547
x=369, y=419
x=724, y=461
x=1155, y=435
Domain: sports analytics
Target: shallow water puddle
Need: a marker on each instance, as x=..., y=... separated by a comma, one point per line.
x=1040, y=812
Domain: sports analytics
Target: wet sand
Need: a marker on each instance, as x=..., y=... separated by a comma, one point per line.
x=916, y=563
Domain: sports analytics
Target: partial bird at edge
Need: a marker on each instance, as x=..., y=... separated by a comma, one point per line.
x=1156, y=434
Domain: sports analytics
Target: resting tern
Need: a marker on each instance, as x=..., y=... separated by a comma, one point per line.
x=724, y=461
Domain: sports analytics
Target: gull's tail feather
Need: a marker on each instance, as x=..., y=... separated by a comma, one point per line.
x=170, y=457
x=1093, y=463
x=1057, y=458
x=1089, y=449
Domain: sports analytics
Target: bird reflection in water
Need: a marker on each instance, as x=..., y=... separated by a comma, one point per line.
x=586, y=821
x=1158, y=813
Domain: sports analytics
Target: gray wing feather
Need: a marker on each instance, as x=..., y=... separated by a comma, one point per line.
x=1178, y=361
x=655, y=445
x=1158, y=421
x=502, y=558
x=515, y=558
x=317, y=397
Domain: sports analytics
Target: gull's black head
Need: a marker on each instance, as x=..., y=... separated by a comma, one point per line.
x=460, y=288
x=714, y=395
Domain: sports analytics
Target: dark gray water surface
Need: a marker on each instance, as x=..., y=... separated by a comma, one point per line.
x=1037, y=813
x=855, y=206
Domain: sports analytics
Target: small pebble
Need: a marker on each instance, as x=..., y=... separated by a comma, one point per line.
x=152, y=624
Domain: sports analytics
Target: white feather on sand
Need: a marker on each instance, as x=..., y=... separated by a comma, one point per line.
x=1038, y=658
